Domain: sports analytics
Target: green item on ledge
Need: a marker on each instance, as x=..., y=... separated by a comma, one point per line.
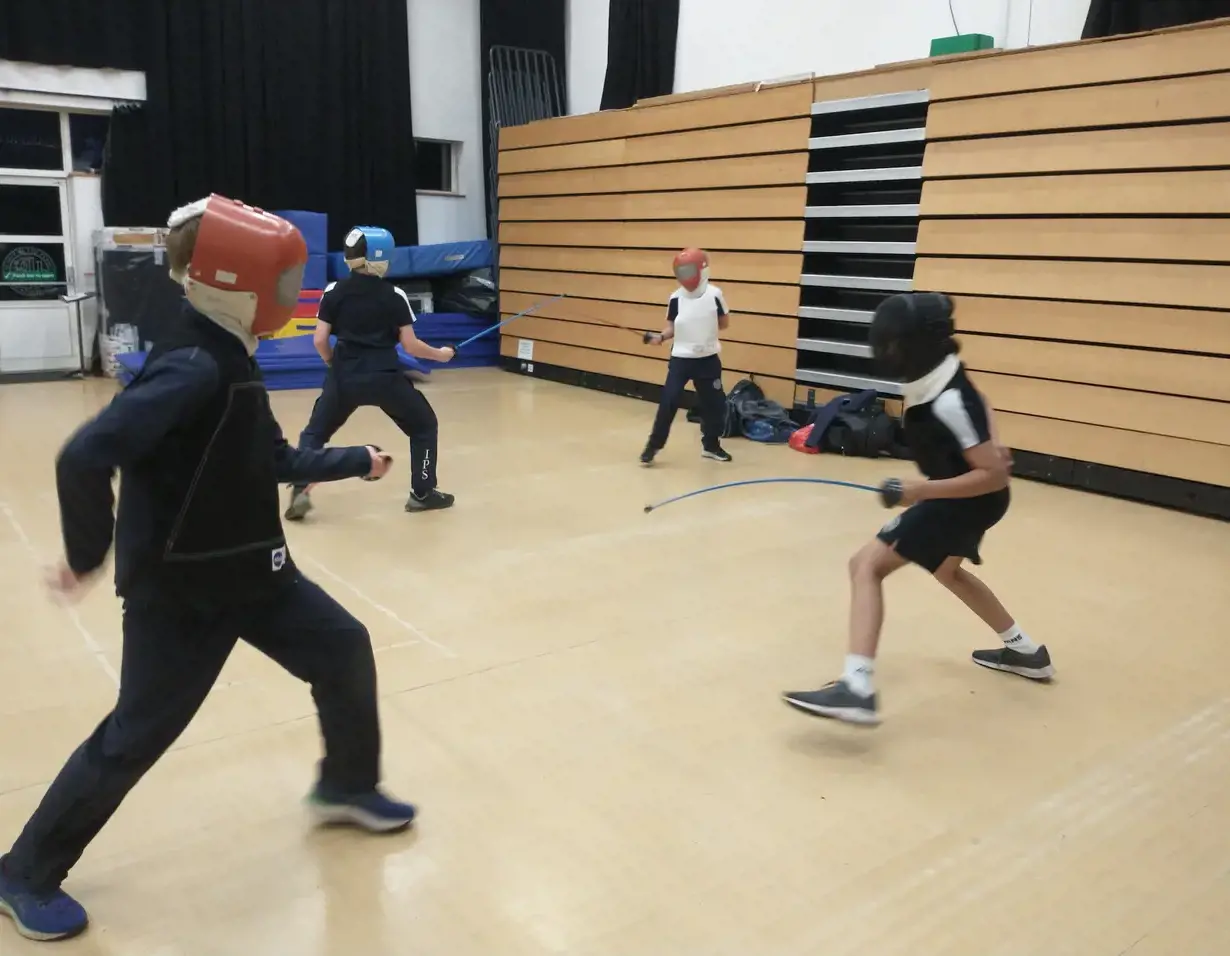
x=962, y=43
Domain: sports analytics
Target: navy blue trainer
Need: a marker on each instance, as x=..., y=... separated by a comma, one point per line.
x=371, y=811
x=40, y=916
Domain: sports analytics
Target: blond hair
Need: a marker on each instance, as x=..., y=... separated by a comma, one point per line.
x=181, y=243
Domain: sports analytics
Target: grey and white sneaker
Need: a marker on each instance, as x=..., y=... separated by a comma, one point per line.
x=836, y=700
x=300, y=504
x=1035, y=666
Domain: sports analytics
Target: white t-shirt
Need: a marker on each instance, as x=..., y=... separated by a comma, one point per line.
x=695, y=318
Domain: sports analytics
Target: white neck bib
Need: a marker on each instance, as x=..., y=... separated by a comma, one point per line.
x=928, y=388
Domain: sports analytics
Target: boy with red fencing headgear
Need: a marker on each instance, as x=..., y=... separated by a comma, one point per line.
x=200, y=557
x=244, y=266
x=696, y=313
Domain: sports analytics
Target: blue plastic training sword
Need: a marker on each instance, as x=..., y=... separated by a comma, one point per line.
x=889, y=491
x=513, y=318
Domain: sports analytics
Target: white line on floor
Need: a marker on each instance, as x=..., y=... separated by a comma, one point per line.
x=86, y=637
x=1111, y=796
x=393, y=647
x=446, y=651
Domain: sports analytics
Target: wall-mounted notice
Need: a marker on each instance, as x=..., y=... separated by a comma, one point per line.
x=525, y=349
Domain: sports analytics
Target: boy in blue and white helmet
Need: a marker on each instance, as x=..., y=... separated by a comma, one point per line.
x=369, y=318
x=368, y=250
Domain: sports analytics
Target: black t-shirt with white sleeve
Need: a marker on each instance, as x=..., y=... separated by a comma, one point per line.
x=944, y=422
x=367, y=314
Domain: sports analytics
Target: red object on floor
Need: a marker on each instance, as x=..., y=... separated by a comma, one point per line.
x=798, y=439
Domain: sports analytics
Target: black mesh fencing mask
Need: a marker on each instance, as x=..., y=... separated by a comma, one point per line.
x=911, y=334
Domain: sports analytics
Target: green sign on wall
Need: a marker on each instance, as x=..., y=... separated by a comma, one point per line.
x=28, y=264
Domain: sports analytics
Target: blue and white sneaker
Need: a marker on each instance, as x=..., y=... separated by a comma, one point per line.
x=371, y=811
x=40, y=916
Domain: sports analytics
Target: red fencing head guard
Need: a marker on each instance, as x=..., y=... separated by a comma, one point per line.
x=692, y=268
x=247, y=264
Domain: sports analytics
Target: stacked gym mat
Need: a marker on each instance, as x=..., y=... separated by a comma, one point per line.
x=460, y=271
x=427, y=262
x=285, y=363
x=459, y=275
x=315, y=229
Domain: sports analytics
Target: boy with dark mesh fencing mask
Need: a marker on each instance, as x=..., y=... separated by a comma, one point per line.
x=950, y=430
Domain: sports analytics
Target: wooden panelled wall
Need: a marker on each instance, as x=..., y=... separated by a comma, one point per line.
x=595, y=206
x=1084, y=231
x=1076, y=203
x=598, y=206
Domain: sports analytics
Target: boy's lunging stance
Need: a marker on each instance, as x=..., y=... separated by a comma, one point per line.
x=964, y=491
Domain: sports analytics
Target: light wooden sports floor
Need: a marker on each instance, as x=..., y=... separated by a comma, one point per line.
x=583, y=699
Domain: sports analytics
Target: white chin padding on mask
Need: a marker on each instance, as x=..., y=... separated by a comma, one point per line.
x=233, y=310
x=364, y=267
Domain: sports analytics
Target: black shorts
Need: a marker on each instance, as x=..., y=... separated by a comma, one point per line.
x=931, y=532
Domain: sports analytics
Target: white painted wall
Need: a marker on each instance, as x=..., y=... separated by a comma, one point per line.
x=723, y=42
x=446, y=99
x=587, y=41
x=85, y=201
x=43, y=337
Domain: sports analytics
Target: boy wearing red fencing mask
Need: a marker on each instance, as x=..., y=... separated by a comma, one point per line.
x=696, y=313
x=200, y=557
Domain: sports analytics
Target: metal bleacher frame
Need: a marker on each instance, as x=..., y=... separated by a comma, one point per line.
x=864, y=183
x=523, y=86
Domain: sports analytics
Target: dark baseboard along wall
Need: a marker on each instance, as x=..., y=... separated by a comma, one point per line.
x=1211, y=501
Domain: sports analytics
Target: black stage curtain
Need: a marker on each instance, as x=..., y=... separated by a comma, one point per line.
x=298, y=104
x=640, y=59
x=100, y=34
x=1114, y=17
x=531, y=25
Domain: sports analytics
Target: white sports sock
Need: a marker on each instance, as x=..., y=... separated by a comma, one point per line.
x=858, y=673
x=1017, y=640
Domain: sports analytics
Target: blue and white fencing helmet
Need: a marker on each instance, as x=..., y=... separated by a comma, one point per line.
x=368, y=249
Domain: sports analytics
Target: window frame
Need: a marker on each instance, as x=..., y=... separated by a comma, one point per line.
x=63, y=106
x=66, y=152
x=453, y=164
x=64, y=240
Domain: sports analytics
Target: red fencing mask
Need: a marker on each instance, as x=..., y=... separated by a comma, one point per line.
x=692, y=270
x=246, y=268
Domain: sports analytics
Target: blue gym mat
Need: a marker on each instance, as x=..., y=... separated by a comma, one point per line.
x=450, y=328
x=422, y=262
x=293, y=363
